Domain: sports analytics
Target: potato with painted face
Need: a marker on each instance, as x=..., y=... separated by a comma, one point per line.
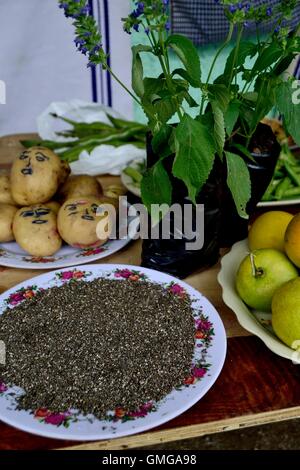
x=35, y=230
x=35, y=176
x=5, y=190
x=84, y=222
x=7, y=213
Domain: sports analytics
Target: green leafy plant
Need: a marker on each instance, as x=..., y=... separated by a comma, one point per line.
x=229, y=109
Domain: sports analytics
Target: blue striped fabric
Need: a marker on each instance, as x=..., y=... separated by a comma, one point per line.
x=297, y=70
x=101, y=79
x=204, y=21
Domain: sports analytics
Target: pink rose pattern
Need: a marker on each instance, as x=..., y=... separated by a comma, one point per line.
x=3, y=388
x=22, y=294
x=120, y=414
x=178, y=290
x=72, y=275
x=92, y=251
x=56, y=419
x=39, y=259
x=130, y=274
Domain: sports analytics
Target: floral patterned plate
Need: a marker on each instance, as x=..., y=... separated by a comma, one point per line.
x=12, y=255
x=209, y=356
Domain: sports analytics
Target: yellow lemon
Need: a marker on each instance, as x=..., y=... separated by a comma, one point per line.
x=268, y=230
x=292, y=240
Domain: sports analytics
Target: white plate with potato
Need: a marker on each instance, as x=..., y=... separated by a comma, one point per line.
x=12, y=255
x=50, y=219
x=257, y=323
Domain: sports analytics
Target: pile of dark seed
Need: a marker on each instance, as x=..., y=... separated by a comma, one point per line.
x=97, y=345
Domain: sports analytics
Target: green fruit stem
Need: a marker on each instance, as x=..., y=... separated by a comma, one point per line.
x=256, y=272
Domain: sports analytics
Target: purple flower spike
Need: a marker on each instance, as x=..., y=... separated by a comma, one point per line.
x=269, y=11
x=147, y=30
x=79, y=42
x=140, y=7
x=232, y=8
x=247, y=7
x=85, y=10
x=96, y=49
x=136, y=27
x=168, y=26
x=240, y=6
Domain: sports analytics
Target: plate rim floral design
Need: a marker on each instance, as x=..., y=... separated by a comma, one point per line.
x=59, y=261
x=172, y=405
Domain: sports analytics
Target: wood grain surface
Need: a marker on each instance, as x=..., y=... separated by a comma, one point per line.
x=255, y=386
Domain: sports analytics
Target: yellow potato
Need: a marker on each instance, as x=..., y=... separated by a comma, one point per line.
x=53, y=205
x=65, y=172
x=110, y=200
x=5, y=190
x=78, y=222
x=115, y=191
x=35, y=230
x=80, y=185
x=7, y=213
x=35, y=176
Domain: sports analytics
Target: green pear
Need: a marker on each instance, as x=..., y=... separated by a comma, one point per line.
x=260, y=274
x=286, y=313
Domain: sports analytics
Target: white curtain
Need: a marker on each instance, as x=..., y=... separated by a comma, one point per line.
x=39, y=62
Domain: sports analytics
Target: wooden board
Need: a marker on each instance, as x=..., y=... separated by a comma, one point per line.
x=255, y=386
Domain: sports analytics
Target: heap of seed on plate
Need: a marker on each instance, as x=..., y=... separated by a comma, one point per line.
x=97, y=345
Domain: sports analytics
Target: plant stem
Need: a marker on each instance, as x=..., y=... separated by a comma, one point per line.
x=122, y=84
x=256, y=272
x=220, y=50
x=227, y=41
x=237, y=48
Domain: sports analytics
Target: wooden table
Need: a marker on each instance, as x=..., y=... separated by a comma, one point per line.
x=255, y=386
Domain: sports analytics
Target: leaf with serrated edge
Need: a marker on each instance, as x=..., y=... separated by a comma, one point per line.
x=291, y=111
x=231, y=116
x=238, y=181
x=188, y=54
x=137, y=69
x=195, y=152
x=219, y=128
x=156, y=188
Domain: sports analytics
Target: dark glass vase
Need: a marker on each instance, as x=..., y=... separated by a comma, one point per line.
x=265, y=151
x=171, y=255
x=222, y=224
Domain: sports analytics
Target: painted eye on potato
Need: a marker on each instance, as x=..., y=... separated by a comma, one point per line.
x=41, y=157
x=41, y=212
x=71, y=207
x=87, y=216
x=23, y=156
x=28, y=214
